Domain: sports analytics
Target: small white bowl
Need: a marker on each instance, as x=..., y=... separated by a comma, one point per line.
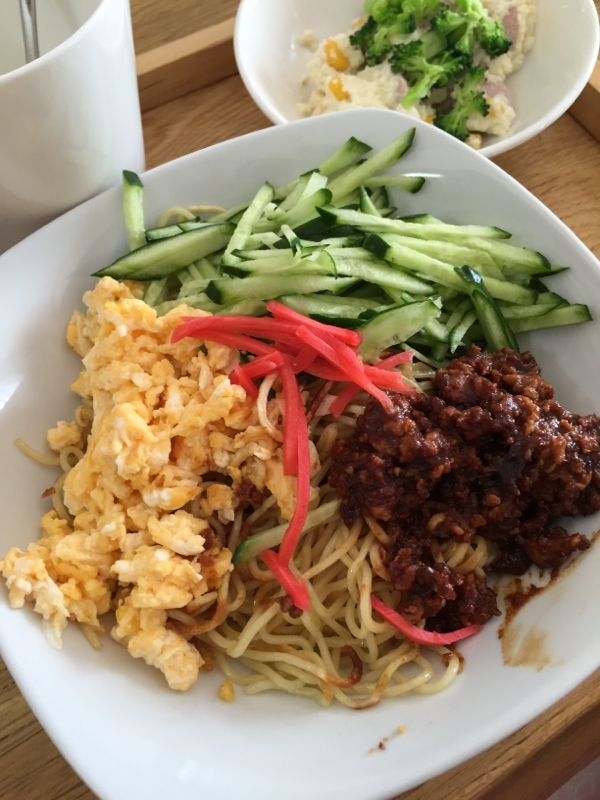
x=271, y=62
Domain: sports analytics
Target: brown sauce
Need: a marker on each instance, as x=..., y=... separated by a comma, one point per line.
x=530, y=650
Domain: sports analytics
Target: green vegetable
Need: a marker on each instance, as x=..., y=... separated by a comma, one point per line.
x=458, y=29
x=387, y=18
x=489, y=34
x=495, y=328
x=468, y=99
x=133, y=209
x=421, y=74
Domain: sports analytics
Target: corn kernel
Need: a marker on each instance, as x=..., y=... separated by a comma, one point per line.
x=335, y=58
x=336, y=88
x=429, y=118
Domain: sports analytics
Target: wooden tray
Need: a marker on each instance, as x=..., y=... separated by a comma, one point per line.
x=182, y=85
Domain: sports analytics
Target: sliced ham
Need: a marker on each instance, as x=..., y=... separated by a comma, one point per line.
x=492, y=88
x=510, y=24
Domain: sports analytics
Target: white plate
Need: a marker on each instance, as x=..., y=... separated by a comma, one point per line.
x=271, y=62
x=112, y=716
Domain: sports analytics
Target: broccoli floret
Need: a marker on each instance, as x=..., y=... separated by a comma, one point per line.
x=374, y=43
x=421, y=75
x=489, y=34
x=468, y=100
x=425, y=68
x=458, y=29
x=454, y=64
x=384, y=12
x=387, y=20
x=420, y=9
x=363, y=37
x=492, y=38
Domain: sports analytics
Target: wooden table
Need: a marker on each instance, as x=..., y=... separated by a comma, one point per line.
x=562, y=168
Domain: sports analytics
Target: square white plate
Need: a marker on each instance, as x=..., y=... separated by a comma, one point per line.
x=113, y=717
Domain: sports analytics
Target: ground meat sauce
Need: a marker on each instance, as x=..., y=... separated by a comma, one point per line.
x=490, y=453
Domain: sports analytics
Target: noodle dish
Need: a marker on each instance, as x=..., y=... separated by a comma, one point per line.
x=312, y=436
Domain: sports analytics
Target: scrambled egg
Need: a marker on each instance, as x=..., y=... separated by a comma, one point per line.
x=164, y=415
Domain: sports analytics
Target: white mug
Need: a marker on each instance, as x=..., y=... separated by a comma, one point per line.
x=70, y=120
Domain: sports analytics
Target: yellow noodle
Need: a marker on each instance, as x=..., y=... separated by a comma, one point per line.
x=47, y=461
x=67, y=455
x=179, y=213
x=57, y=501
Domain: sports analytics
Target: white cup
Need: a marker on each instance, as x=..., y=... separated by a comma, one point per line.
x=70, y=120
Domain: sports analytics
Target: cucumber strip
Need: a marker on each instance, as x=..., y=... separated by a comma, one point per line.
x=395, y=327
x=399, y=296
x=295, y=243
x=294, y=196
x=461, y=309
x=524, y=312
x=495, y=328
x=226, y=216
x=351, y=200
x=183, y=276
x=330, y=306
x=339, y=242
x=245, y=308
x=244, y=227
x=174, y=230
x=192, y=224
x=194, y=272
x=451, y=253
x=565, y=315
x=192, y=287
x=422, y=357
x=133, y=209
x=265, y=540
x=270, y=211
x=516, y=259
x=253, y=255
x=460, y=329
x=367, y=291
x=153, y=234
x=355, y=177
x=423, y=219
x=455, y=233
x=351, y=252
x=366, y=204
x=439, y=351
x=156, y=292
x=536, y=283
x=382, y=275
x=206, y=269
x=200, y=300
x=269, y=287
x=162, y=258
x=262, y=265
x=437, y=330
x=549, y=273
x=380, y=198
x=304, y=267
x=299, y=215
x=409, y=183
x=432, y=269
x=545, y=298
x=342, y=322
x=346, y=155
x=315, y=183
x=387, y=212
